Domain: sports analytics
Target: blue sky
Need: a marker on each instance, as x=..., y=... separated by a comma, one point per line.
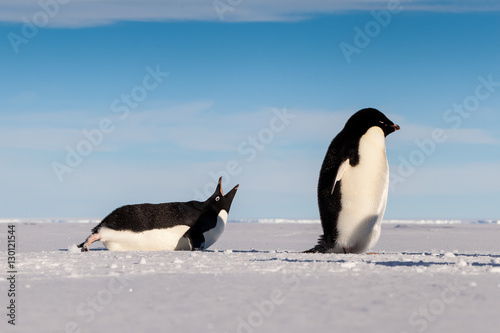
x=158, y=99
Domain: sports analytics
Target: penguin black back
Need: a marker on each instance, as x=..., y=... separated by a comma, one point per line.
x=142, y=217
x=195, y=224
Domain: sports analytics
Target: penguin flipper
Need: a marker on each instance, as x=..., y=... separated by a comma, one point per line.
x=196, y=239
x=340, y=173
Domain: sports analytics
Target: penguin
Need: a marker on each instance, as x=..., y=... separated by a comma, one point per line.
x=192, y=225
x=353, y=184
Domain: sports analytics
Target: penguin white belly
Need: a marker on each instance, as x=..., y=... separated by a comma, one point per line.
x=364, y=190
x=212, y=235
x=150, y=240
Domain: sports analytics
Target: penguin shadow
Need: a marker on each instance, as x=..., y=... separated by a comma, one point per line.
x=242, y=251
x=423, y=263
x=90, y=250
x=393, y=263
x=472, y=255
x=99, y=249
x=482, y=264
x=289, y=260
x=397, y=263
x=388, y=263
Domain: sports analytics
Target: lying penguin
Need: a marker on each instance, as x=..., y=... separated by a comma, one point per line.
x=353, y=184
x=192, y=225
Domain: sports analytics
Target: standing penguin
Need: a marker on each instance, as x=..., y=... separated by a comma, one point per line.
x=353, y=184
x=192, y=225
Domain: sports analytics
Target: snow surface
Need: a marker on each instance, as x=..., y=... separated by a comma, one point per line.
x=425, y=278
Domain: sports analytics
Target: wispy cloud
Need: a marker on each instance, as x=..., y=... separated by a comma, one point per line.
x=460, y=179
x=416, y=132
x=289, y=163
x=200, y=126
x=84, y=13
x=197, y=125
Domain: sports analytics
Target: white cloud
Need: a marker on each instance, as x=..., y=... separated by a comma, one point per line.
x=80, y=13
x=410, y=133
x=286, y=169
x=46, y=139
x=472, y=136
x=459, y=179
x=199, y=126
x=194, y=126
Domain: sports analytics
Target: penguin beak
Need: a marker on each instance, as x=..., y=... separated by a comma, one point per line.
x=396, y=127
x=231, y=193
x=219, y=186
x=229, y=198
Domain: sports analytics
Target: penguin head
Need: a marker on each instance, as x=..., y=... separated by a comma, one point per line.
x=365, y=119
x=218, y=201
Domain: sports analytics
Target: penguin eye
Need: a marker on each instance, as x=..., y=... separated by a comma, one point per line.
x=380, y=121
x=217, y=198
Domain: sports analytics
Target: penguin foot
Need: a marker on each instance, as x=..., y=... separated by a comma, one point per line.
x=92, y=238
x=325, y=245
x=317, y=249
x=346, y=250
x=199, y=248
x=83, y=247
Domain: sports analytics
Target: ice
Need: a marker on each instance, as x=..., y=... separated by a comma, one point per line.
x=74, y=249
x=495, y=270
x=349, y=264
x=255, y=279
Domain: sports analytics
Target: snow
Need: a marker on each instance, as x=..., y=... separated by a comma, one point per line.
x=421, y=278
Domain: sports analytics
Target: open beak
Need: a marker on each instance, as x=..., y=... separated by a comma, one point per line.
x=219, y=186
x=230, y=196
x=231, y=193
